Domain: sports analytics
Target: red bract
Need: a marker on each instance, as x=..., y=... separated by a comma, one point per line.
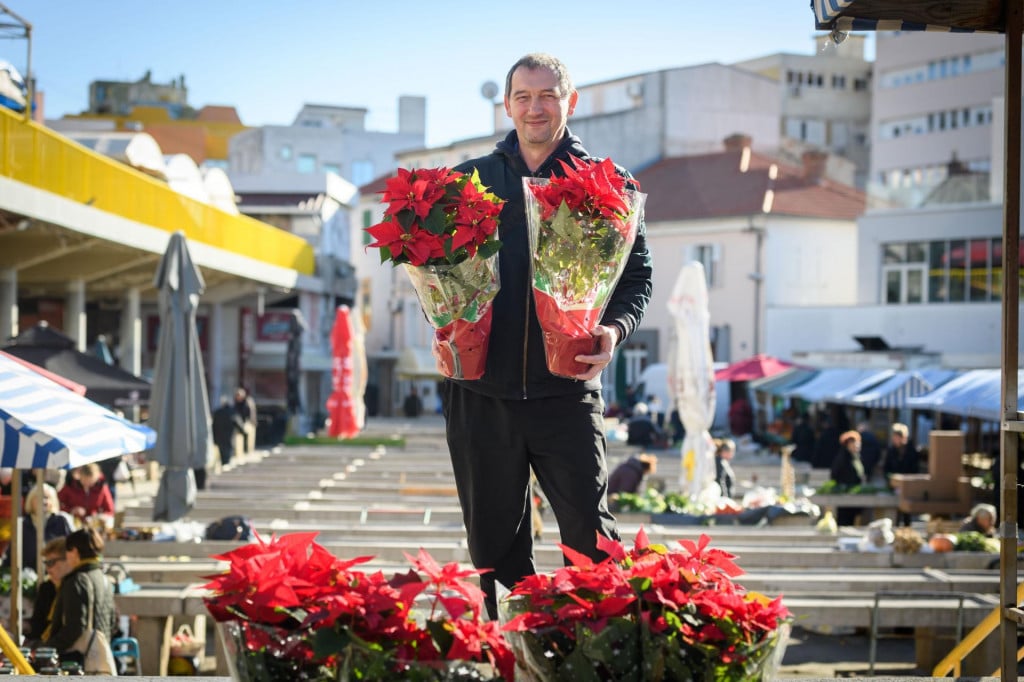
x=436, y=216
x=292, y=590
x=590, y=190
x=685, y=595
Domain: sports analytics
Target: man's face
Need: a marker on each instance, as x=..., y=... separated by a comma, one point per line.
x=56, y=567
x=538, y=108
x=899, y=440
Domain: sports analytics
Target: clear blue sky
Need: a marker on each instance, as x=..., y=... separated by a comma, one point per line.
x=268, y=58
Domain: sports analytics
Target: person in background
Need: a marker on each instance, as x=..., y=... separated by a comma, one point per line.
x=901, y=457
x=741, y=417
x=677, y=432
x=641, y=429
x=519, y=416
x=86, y=495
x=85, y=594
x=226, y=424
x=725, y=450
x=848, y=471
x=245, y=406
x=827, y=443
x=57, y=524
x=626, y=477
x=657, y=411
x=43, y=608
x=413, y=406
x=803, y=438
x=981, y=520
x=870, y=452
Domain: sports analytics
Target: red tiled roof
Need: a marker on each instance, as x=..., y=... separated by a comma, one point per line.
x=713, y=186
x=218, y=114
x=177, y=139
x=376, y=185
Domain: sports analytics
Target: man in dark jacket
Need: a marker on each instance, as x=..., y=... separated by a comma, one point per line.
x=519, y=415
x=226, y=423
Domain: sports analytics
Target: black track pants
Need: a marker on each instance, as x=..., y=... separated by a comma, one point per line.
x=493, y=445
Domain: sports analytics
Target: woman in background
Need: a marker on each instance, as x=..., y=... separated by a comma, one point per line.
x=56, y=525
x=86, y=494
x=725, y=450
x=85, y=596
x=847, y=472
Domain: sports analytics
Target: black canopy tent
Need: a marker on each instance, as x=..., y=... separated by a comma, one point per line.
x=105, y=384
x=962, y=16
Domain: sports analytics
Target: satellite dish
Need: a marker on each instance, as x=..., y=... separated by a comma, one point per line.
x=489, y=90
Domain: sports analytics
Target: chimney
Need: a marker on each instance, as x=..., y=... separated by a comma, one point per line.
x=737, y=142
x=814, y=162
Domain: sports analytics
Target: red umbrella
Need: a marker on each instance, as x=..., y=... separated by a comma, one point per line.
x=757, y=367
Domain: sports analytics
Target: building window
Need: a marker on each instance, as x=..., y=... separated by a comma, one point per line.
x=708, y=255
x=367, y=222
x=362, y=172
x=285, y=152
x=306, y=163
x=953, y=271
x=332, y=168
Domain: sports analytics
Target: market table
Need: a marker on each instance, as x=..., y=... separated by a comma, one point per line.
x=879, y=505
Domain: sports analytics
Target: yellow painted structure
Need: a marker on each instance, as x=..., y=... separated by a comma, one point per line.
x=36, y=156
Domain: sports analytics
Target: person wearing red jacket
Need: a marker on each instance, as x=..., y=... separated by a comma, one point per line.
x=86, y=494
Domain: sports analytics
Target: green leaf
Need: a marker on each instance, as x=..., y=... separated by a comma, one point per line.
x=436, y=221
x=488, y=249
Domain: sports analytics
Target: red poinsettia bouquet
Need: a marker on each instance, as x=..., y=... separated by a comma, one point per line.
x=582, y=227
x=289, y=609
x=442, y=227
x=650, y=613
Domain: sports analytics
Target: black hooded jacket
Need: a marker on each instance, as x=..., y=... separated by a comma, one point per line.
x=516, y=366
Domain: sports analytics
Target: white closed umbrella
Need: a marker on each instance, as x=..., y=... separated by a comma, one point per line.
x=691, y=377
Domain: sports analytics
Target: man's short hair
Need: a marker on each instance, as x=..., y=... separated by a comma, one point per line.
x=900, y=429
x=540, y=60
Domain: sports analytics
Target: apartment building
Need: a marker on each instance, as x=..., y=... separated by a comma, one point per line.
x=929, y=250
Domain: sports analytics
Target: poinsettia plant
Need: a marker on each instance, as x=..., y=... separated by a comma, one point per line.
x=436, y=216
x=650, y=613
x=582, y=224
x=299, y=612
x=441, y=225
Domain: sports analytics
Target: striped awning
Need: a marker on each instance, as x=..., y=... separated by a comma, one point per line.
x=47, y=426
x=976, y=394
x=962, y=16
x=894, y=391
x=941, y=399
x=833, y=383
x=780, y=383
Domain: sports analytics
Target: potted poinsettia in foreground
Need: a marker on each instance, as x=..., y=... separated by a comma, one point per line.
x=288, y=609
x=650, y=613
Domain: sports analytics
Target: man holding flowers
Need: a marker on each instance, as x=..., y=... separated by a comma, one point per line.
x=519, y=415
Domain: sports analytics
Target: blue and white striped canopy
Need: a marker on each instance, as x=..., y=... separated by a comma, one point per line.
x=47, y=426
x=941, y=16
x=833, y=382
x=894, y=391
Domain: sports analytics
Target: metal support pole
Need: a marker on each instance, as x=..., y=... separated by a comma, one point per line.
x=1009, y=436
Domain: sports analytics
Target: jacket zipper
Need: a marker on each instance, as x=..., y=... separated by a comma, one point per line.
x=529, y=289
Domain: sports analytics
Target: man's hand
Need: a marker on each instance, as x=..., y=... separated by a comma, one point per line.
x=608, y=338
